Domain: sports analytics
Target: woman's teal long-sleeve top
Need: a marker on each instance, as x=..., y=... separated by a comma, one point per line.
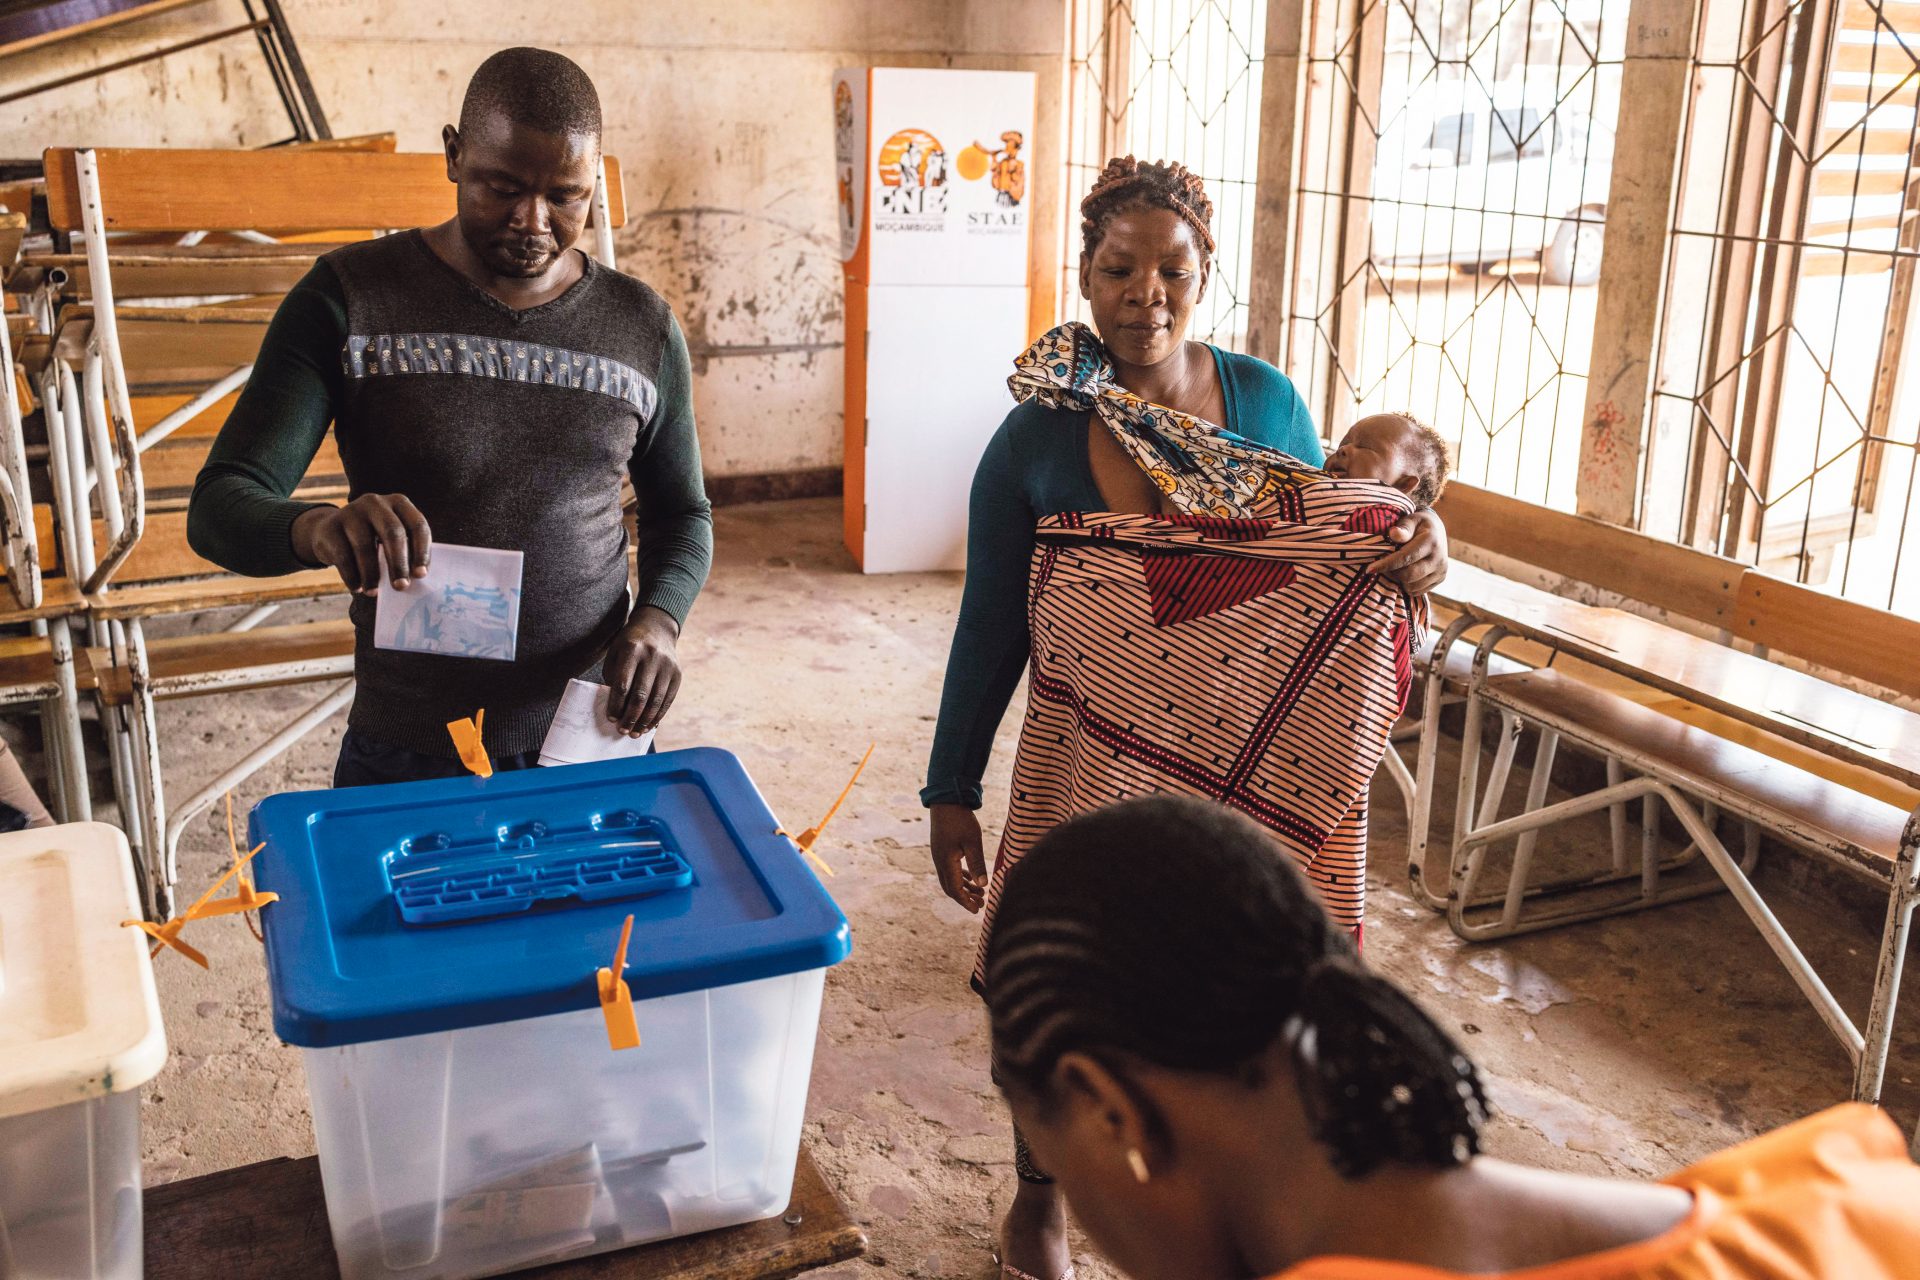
x=1036, y=466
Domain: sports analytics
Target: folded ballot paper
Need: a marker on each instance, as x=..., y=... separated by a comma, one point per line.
x=468, y=605
x=581, y=731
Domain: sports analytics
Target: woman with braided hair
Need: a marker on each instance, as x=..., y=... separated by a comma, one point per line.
x=1225, y=1092
x=1202, y=609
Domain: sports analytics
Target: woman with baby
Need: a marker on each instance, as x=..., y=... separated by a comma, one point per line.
x=1207, y=603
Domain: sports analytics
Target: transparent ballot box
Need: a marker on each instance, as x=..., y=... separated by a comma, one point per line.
x=437, y=954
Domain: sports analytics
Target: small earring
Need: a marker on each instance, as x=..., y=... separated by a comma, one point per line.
x=1138, y=1163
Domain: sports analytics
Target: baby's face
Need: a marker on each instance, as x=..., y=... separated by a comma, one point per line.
x=1377, y=448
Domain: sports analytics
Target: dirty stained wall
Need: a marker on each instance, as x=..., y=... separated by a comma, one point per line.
x=718, y=109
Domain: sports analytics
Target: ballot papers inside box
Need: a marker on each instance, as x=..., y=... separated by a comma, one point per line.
x=467, y=605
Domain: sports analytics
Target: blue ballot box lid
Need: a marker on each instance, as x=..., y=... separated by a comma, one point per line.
x=428, y=906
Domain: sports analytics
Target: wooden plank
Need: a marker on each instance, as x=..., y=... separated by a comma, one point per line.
x=91, y=26
x=26, y=664
x=234, y=311
x=149, y=409
x=159, y=599
x=1864, y=832
x=1860, y=93
x=175, y=463
x=46, y=538
x=1854, y=727
x=1836, y=145
x=13, y=232
x=1843, y=227
x=33, y=354
x=1881, y=57
x=1843, y=776
x=178, y=344
x=269, y=1220
x=185, y=276
x=384, y=142
x=17, y=197
x=1692, y=584
x=285, y=190
x=1655, y=88
x=169, y=190
x=1825, y=263
x=1865, y=182
x=58, y=598
x=616, y=194
x=46, y=541
x=1860, y=17
x=157, y=349
x=193, y=658
x=161, y=553
x=1841, y=635
x=1283, y=89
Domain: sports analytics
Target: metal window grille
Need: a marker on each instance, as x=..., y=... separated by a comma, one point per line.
x=1783, y=431
x=1171, y=80
x=1455, y=161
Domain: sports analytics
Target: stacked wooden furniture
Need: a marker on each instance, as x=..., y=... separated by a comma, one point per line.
x=38, y=663
x=148, y=347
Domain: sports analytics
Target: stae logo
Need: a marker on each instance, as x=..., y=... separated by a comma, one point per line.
x=913, y=171
x=1007, y=173
x=1003, y=162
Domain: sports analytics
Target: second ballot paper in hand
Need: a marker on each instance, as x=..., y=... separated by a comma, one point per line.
x=582, y=733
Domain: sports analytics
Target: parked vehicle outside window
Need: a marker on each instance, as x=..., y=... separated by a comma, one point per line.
x=1473, y=174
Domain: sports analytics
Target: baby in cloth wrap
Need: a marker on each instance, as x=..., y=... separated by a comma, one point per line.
x=1396, y=449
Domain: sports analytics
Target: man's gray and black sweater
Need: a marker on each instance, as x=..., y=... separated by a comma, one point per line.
x=507, y=429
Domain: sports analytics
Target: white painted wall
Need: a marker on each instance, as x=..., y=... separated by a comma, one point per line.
x=718, y=109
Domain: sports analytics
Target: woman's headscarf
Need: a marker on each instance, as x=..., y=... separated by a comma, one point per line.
x=1203, y=469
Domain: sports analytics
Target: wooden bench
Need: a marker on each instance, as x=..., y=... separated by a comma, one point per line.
x=1690, y=722
x=145, y=451
x=1687, y=584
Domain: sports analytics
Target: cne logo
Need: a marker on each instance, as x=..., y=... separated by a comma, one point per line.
x=913, y=173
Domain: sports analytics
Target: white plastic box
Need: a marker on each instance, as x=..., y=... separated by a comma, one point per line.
x=435, y=953
x=80, y=1032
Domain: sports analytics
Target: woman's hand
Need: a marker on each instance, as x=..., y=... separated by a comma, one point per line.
x=352, y=539
x=957, y=856
x=1420, y=564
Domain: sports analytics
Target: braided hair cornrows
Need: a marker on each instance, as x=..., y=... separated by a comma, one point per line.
x=1173, y=931
x=1158, y=184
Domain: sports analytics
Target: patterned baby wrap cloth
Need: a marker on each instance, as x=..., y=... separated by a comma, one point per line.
x=1237, y=649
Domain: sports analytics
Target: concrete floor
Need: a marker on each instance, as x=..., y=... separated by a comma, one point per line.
x=1628, y=1047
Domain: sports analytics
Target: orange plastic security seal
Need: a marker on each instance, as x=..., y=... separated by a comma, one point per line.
x=616, y=1001
x=468, y=743
x=811, y=836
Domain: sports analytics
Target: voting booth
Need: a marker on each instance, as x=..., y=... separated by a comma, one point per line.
x=936, y=234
